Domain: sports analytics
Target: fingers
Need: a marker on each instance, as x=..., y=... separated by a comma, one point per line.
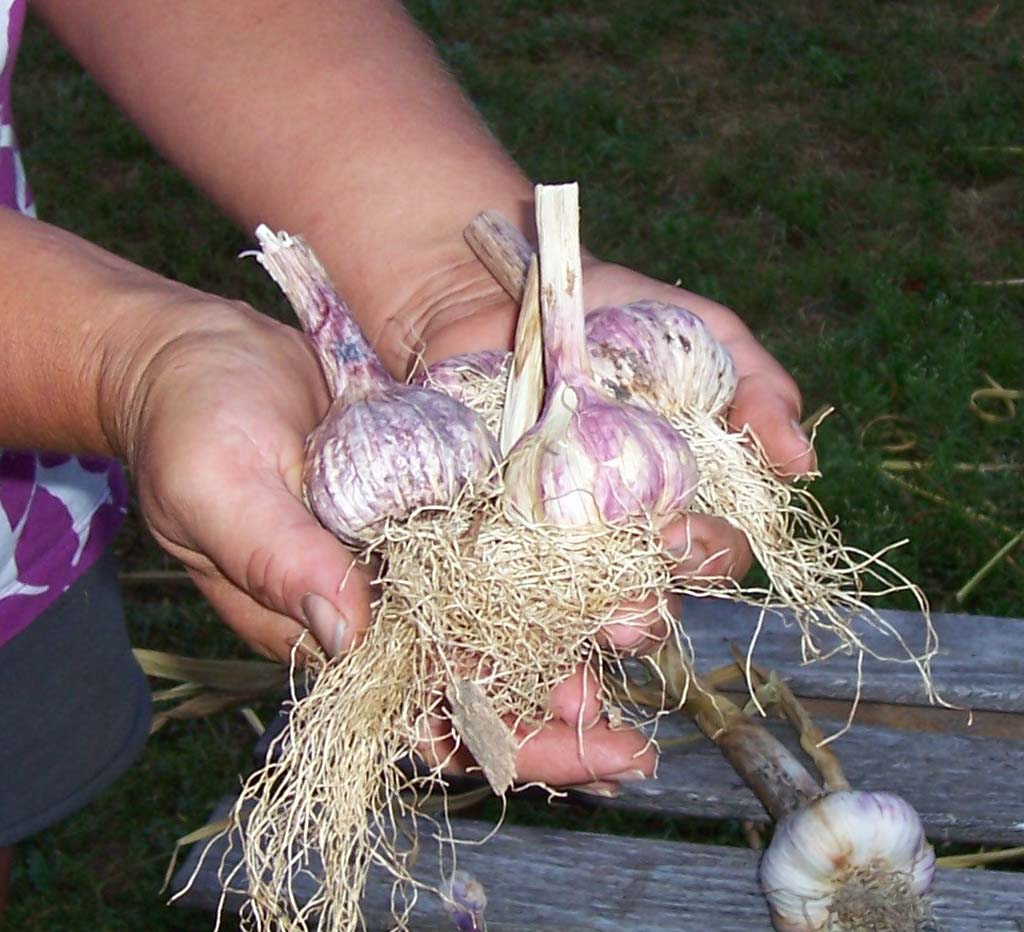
x=560, y=755
x=639, y=627
x=707, y=546
x=275, y=554
x=268, y=633
x=774, y=417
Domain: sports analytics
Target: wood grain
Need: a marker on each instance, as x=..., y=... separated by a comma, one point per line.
x=546, y=880
x=980, y=663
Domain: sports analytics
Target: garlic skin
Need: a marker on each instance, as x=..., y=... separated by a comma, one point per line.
x=847, y=840
x=396, y=451
x=660, y=356
x=591, y=460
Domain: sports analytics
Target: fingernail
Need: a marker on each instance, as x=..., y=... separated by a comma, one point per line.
x=325, y=621
x=604, y=788
x=629, y=776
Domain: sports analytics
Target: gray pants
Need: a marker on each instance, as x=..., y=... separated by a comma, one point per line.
x=74, y=706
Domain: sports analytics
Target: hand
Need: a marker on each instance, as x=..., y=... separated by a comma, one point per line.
x=212, y=421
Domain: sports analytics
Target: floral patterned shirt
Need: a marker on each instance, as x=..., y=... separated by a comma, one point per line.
x=57, y=512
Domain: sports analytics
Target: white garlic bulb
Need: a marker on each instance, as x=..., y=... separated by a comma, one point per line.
x=849, y=861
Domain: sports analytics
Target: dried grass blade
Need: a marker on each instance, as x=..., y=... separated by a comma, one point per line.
x=250, y=676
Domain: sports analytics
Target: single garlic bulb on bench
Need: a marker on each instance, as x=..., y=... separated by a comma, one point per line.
x=851, y=861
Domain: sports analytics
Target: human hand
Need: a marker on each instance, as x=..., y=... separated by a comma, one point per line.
x=211, y=416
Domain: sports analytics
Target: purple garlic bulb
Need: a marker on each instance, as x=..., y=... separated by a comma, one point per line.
x=590, y=459
x=384, y=450
x=390, y=454
x=660, y=356
x=465, y=901
x=593, y=460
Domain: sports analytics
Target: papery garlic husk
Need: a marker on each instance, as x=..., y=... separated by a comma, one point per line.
x=660, y=356
x=591, y=460
x=391, y=454
x=847, y=862
x=465, y=901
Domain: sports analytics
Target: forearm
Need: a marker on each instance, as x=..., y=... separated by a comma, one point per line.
x=78, y=325
x=328, y=117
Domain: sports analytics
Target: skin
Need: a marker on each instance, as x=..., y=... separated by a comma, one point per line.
x=315, y=117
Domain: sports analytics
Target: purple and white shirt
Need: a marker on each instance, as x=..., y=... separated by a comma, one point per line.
x=57, y=512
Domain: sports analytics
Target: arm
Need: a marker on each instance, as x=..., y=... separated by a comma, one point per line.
x=333, y=119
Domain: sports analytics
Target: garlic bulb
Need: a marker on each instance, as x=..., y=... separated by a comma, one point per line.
x=660, y=356
x=477, y=380
x=849, y=861
x=384, y=449
x=465, y=901
x=589, y=459
x=391, y=453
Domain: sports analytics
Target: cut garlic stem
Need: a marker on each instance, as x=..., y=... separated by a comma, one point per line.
x=350, y=365
x=502, y=249
x=524, y=390
x=561, y=283
x=780, y=782
x=812, y=741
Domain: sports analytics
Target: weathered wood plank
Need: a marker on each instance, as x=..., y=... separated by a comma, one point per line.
x=966, y=789
x=541, y=880
x=980, y=664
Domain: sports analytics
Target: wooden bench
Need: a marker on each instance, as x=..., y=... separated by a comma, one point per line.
x=967, y=783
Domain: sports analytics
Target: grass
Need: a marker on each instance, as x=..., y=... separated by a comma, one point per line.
x=844, y=175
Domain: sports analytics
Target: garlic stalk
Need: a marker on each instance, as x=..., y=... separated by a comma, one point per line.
x=385, y=449
x=590, y=459
x=839, y=861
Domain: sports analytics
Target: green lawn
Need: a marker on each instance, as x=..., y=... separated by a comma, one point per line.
x=846, y=176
